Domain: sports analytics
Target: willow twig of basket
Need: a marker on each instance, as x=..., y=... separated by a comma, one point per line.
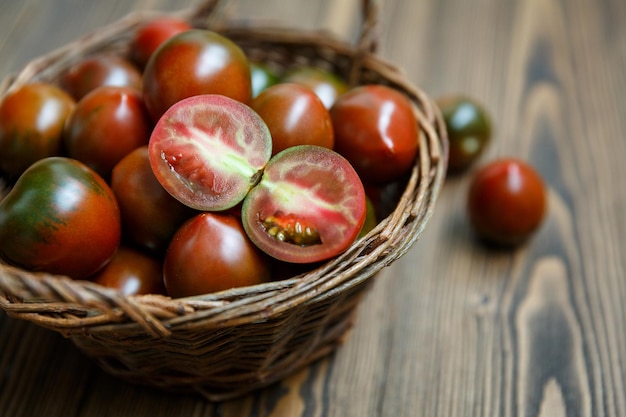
x=229, y=343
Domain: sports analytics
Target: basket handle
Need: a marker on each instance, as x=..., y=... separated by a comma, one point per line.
x=366, y=43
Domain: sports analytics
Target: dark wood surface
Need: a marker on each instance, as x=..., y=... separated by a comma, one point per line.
x=452, y=329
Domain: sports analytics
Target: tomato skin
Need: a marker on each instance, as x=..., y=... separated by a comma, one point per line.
x=132, y=272
x=506, y=202
x=469, y=130
x=106, y=125
x=150, y=215
x=262, y=77
x=294, y=115
x=31, y=125
x=325, y=84
x=99, y=70
x=192, y=63
x=309, y=206
x=377, y=131
x=151, y=35
x=60, y=217
x=212, y=253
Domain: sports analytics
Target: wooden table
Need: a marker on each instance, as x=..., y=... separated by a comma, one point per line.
x=453, y=328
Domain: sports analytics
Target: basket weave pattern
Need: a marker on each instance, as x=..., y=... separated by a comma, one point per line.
x=225, y=344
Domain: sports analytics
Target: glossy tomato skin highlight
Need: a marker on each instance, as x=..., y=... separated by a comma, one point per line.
x=100, y=70
x=132, y=272
x=150, y=215
x=60, y=217
x=107, y=124
x=294, y=115
x=377, y=131
x=148, y=37
x=212, y=253
x=31, y=125
x=192, y=63
x=309, y=206
x=506, y=202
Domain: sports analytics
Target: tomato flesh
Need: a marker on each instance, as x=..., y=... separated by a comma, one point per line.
x=309, y=205
x=207, y=151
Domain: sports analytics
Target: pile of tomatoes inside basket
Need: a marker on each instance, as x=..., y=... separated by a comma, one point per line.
x=185, y=168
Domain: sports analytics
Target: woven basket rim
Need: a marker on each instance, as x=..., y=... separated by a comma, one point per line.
x=69, y=306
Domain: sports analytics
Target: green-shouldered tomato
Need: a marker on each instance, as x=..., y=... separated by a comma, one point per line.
x=31, y=125
x=60, y=217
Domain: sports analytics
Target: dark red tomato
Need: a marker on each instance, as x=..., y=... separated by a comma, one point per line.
x=148, y=37
x=132, y=272
x=150, y=215
x=60, y=217
x=377, y=131
x=325, y=84
x=469, y=130
x=31, y=125
x=192, y=63
x=208, y=150
x=212, y=253
x=99, y=70
x=262, y=77
x=295, y=116
x=309, y=205
x=107, y=124
x=506, y=201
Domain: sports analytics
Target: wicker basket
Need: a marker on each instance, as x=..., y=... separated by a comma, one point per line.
x=226, y=344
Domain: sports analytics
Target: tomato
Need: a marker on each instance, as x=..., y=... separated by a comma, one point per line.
x=99, y=70
x=469, y=130
x=106, y=125
x=60, y=217
x=262, y=77
x=377, y=131
x=31, y=125
x=211, y=253
x=370, y=217
x=295, y=116
x=506, y=201
x=309, y=205
x=208, y=150
x=192, y=63
x=149, y=36
x=132, y=272
x=325, y=84
x=150, y=215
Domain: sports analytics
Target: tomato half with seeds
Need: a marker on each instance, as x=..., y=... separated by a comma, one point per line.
x=132, y=272
x=195, y=62
x=208, y=150
x=309, y=205
x=31, y=125
x=294, y=115
x=377, y=131
x=60, y=217
x=211, y=253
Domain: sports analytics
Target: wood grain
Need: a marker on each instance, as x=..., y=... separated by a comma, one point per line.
x=453, y=328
